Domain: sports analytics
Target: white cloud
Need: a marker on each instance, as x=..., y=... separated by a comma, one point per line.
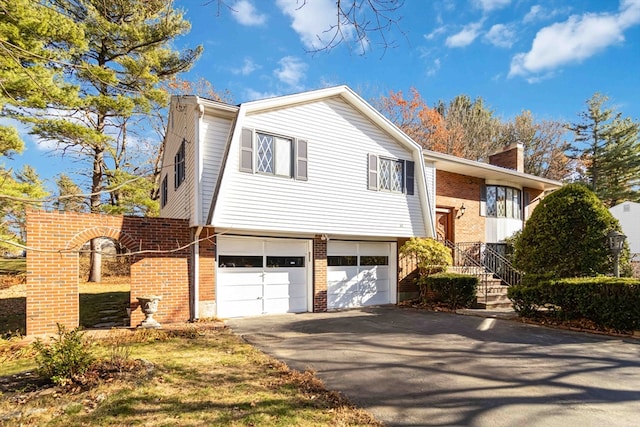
x=246, y=14
x=435, y=32
x=434, y=68
x=253, y=95
x=501, y=35
x=489, y=5
x=536, y=12
x=315, y=22
x=292, y=71
x=465, y=37
x=247, y=68
x=575, y=40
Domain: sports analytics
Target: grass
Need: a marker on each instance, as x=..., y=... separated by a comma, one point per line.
x=13, y=265
x=99, y=303
x=196, y=376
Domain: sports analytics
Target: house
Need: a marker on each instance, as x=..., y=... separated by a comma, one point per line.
x=485, y=202
x=299, y=203
x=627, y=213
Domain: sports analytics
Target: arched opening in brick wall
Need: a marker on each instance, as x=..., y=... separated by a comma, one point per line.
x=160, y=263
x=105, y=304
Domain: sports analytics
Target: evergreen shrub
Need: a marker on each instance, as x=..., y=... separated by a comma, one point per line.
x=454, y=290
x=611, y=303
x=566, y=236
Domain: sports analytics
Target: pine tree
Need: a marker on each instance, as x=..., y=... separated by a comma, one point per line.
x=608, y=145
x=125, y=54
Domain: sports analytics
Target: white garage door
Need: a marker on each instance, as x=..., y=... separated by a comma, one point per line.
x=360, y=274
x=261, y=276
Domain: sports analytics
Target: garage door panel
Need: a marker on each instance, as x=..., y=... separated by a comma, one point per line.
x=373, y=249
x=233, y=246
x=276, y=282
x=343, y=299
x=375, y=297
x=240, y=308
x=283, y=291
x=279, y=276
x=240, y=277
x=239, y=293
x=341, y=274
x=285, y=305
x=366, y=283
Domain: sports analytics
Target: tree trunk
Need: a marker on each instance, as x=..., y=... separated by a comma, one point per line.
x=95, y=264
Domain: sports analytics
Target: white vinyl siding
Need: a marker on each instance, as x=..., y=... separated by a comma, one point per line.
x=335, y=198
x=214, y=136
x=182, y=125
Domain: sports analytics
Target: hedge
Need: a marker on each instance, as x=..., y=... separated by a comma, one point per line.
x=611, y=303
x=455, y=290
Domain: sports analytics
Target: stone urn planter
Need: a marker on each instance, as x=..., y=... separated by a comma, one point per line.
x=149, y=305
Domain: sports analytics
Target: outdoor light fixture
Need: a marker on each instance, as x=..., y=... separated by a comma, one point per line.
x=616, y=243
x=461, y=211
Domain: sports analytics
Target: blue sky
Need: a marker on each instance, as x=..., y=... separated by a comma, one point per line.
x=546, y=56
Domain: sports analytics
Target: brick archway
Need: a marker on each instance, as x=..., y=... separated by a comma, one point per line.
x=157, y=267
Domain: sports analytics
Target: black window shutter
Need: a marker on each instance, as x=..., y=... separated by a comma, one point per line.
x=373, y=172
x=409, y=172
x=246, y=150
x=302, y=161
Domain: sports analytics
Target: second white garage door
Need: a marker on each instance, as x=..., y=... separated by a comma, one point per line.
x=262, y=276
x=360, y=274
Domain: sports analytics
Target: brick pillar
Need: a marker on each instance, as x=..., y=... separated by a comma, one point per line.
x=207, y=274
x=319, y=274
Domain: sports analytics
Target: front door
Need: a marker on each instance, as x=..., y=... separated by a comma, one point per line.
x=444, y=224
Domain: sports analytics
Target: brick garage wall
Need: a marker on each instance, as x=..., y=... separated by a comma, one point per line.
x=452, y=190
x=52, y=264
x=319, y=274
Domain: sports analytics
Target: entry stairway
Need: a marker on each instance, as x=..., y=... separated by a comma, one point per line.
x=494, y=271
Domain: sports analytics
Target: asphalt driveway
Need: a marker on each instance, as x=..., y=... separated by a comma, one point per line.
x=419, y=368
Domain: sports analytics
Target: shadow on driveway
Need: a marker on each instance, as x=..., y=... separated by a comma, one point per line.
x=413, y=367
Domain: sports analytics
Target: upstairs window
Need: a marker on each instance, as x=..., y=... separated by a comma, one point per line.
x=274, y=155
x=179, y=166
x=393, y=175
x=164, y=192
x=503, y=202
x=270, y=154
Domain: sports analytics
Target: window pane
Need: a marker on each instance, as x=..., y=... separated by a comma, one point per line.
x=517, y=207
x=228, y=261
x=500, y=205
x=265, y=153
x=374, y=260
x=391, y=175
x=283, y=156
x=491, y=200
x=509, y=203
x=285, y=261
x=342, y=261
x=397, y=176
x=385, y=174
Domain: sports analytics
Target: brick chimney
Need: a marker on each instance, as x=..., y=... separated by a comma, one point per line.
x=510, y=157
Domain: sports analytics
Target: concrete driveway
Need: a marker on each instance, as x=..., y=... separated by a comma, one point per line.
x=411, y=367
